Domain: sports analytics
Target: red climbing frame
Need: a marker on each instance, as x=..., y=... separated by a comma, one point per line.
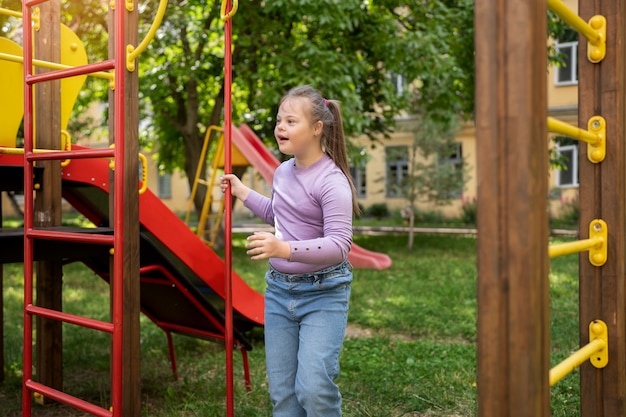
x=116, y=241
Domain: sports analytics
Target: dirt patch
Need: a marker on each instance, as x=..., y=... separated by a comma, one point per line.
x=356, y=332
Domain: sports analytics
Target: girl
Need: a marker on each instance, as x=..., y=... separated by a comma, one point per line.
x=308, y=281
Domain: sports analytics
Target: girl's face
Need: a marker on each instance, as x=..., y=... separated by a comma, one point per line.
x=296, y=134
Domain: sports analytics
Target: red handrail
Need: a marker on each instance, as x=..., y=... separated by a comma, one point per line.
x=228, y=260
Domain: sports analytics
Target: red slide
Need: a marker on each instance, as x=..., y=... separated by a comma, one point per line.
x=264, y=161
x=182, y=249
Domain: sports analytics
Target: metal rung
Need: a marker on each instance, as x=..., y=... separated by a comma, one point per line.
x=70, y=318
x=596, y=351
x=98, y=239
x=67, y=399
x=597, y=244
x=77, y=154
x=70, y=72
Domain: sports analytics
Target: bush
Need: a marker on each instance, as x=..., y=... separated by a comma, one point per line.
x=378, y=211
x=570, y=212
x=469, y=205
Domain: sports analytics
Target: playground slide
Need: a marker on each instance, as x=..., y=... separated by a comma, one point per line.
x=178, y=249
x=255, y=151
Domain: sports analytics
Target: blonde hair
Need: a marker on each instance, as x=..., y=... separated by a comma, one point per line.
x=333, y=140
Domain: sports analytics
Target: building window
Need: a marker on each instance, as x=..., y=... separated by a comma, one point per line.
x=451, y=165
x=399, y=83
x=360, y=179
x=165, y=185
x=567, y=52
x=397, y=171
x=567, y=175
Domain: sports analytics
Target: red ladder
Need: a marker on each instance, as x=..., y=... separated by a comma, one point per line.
x=115, y=241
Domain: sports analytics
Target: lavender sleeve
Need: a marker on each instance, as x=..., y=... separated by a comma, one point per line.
x=311, y=209
x=261, y=206
x=333, y=247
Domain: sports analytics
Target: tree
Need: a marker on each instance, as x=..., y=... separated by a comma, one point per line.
x=348, y=49
x=437, y=171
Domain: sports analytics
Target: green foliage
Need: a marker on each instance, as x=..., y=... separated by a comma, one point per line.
x=437, y=171
x=378, y=211
x=569, y=213
x=469, y=205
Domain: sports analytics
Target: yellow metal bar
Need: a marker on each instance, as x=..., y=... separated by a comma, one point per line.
x=595, y=135
x=131, y=52
x=144, y=173
x=8, y=12
x=596, y=350
x=572, y=247
x=597, y=244
x=201, y=161
x=233, y=10
x=594, y=30
x=20, y=151
x=557, y=126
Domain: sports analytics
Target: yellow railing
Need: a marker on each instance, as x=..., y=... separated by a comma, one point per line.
x=228, y=15
x=596, y=351
x=209, y=184
x=595, y=136
x=597, y=244
x=594, y=30
x=131, y=52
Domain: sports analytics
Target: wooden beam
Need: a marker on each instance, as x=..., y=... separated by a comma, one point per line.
x=131, y=378
x=512, y=161
x=602, y=194
x=47, y=209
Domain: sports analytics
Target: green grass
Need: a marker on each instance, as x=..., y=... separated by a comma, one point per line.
x=410, y=351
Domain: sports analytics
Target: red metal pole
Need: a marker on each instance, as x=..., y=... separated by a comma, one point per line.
x=228, y=316
x=118, y=208
x=27, y=361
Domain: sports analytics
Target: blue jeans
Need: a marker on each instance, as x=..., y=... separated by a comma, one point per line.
x=305, y=324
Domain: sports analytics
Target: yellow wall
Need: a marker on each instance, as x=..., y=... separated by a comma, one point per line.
x=403, y=136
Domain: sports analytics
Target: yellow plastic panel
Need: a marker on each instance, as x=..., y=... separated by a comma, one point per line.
x=73, y=54
x=12, y=103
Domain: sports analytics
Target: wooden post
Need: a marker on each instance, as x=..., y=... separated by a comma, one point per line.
x=49, y=342
x=511, y=132
x=131, y=378
x=602, y=194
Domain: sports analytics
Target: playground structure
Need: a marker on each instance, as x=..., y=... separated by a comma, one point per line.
x=144, y=262
x=153, y=262
x=514, y=375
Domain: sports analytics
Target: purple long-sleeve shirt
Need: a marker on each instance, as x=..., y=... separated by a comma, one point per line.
x=311, y=208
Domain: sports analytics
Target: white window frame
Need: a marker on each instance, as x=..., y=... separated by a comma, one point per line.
x=573, y=164
x=359, y=177
x=165, y=186
x=571, y=65
x=399, y=82
x=454, y=157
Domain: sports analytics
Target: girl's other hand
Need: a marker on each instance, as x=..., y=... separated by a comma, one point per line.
x=237, y=188
x=263, y=245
